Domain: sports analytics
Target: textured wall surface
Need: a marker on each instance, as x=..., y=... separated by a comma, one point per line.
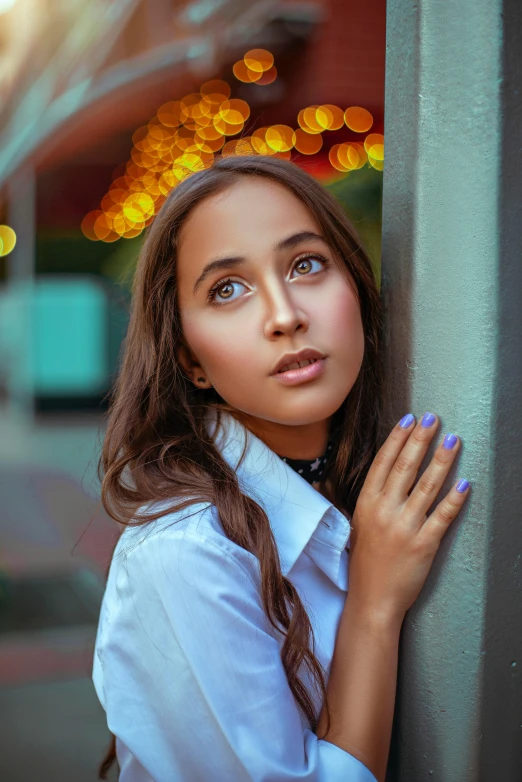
x=452, y=285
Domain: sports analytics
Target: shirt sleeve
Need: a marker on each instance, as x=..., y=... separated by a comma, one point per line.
x=193, y=682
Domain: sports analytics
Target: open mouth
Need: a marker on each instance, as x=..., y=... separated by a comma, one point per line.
x=297, y=365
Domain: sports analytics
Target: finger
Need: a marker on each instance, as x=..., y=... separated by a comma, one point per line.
x=387, y=454
x=446, y=511
x=431, y=480
x=406, y=466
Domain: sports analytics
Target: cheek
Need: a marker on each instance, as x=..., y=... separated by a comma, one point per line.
x=222, y=345
x=341, y=318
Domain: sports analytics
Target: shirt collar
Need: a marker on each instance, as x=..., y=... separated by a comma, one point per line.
x=294, y=508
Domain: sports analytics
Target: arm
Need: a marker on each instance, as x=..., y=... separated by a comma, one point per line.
x=392, y=547
x=361, y=687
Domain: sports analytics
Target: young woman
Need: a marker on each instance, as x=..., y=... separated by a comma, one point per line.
x=236, y=639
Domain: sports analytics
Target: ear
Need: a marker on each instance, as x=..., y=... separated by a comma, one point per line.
x=191, y=366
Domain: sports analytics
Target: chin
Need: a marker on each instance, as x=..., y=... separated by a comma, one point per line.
x=302, y=412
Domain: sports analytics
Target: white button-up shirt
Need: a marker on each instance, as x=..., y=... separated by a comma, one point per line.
x=187, y=665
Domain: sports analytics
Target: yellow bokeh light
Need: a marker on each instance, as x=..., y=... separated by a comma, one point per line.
x=201, y=115
x=209, y=145
x=280, y=138
x=159, y=136
x=234, y=112
x=307, y=120
x=184, y=136
x=8, y=239
x=138, y=206
x=376, y=152
x=377, y=164
x=188, y=104
x=351, y=155
x=213, y=93
x=211, y=133
x=375, y=140
x=333, y=157
x=258, y=142
x=324, y=117
x=259, y=60
x=227, y=128
x=167, y=181
x=329, y=117
x=358, y=119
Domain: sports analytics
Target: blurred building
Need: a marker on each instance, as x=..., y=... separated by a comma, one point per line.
x=77, y=79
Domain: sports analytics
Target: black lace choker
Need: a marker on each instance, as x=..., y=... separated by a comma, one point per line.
x=309, y=469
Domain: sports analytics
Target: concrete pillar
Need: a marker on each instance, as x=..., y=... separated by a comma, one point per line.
x=19, y=299
x=452, y=286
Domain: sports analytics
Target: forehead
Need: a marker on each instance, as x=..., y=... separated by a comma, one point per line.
x=247, y=218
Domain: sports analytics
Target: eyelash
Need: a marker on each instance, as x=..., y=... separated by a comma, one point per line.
x=309, y=256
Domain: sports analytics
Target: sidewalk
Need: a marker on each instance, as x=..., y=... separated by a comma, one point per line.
x=55, y=546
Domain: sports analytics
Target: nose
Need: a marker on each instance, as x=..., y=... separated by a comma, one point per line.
x=284, y=316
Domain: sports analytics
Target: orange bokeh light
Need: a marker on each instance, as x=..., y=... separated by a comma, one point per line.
x=170, y=114
x=358, y=119
x=307, y=143
x=243, y=73
x=259, y=60
x=184, y=136
x=267, y=77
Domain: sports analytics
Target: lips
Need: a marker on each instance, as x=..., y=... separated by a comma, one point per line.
x=296, y=360
x=297, y=365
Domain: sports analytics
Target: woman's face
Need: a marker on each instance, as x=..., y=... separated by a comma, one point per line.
x=281, y=292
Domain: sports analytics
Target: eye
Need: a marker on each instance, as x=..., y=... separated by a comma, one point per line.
x=227, y=286
x=302, y=264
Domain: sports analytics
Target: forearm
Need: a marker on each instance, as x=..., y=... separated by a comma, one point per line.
x=362, y=686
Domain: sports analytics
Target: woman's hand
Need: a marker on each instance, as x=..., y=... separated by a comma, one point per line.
x=393, y=542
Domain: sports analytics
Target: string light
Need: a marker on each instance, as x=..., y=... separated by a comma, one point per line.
x=185, y=135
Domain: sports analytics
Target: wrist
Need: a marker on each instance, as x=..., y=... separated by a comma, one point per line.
x=380, y=617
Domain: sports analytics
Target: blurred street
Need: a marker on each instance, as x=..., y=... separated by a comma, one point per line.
x=55, y=547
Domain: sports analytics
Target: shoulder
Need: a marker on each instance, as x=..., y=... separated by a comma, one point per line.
x=181, y=568
x=192, y=535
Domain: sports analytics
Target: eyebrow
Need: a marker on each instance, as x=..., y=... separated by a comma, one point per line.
x=229, y=263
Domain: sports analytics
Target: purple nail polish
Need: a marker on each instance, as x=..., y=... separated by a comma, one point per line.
x=406, y=421
x=449, y=441
x=462, y=486
x=428, y=419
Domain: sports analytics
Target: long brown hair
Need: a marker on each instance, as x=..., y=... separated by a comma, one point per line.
x=156, y=418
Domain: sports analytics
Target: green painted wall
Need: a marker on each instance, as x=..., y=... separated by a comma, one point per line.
x=452, y=284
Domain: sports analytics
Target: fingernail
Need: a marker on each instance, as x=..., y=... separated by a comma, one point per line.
x=449, y=441
x=428, y=419
x=406, y=421
x=462, y=486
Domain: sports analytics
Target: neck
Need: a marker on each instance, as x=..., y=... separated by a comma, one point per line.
x=302, y=441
